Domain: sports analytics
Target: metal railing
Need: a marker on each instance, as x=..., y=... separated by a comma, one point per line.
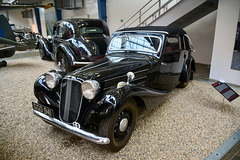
x=149, y=12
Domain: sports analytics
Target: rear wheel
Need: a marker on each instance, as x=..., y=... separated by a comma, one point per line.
x=189, y=76
x=119, y=127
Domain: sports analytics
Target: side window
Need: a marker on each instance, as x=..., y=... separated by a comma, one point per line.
x=67, y=32
x=173, y=44
x=59, y=32
x=186, y=42
x=55, y=30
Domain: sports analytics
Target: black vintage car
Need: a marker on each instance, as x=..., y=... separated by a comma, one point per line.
x=99, y=101
x=75, y=42
x=26, y=37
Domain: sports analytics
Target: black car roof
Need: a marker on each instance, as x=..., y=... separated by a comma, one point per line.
x=170, y=30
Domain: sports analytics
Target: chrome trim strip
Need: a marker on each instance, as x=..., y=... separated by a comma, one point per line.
x=7, y=48
x=81, y=63
x=141, y=71
x=139, y=78
x=67, y=100
x=93, y=66
x=141, y=83
x=115, y=78
x=76, y=131
x=125, y=75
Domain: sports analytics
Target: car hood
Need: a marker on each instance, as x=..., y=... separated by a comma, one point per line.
x=112, y=69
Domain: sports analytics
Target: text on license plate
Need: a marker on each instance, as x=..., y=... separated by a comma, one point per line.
x=43, y=109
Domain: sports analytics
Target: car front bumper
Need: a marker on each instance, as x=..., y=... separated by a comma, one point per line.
x=74, y=130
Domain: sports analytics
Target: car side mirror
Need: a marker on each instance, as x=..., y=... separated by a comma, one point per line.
x=130, y=77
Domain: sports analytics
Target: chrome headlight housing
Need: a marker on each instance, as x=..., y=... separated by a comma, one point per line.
x=90, y=89
x=52, y=79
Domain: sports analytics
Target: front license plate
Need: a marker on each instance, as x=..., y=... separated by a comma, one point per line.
x=43, y=109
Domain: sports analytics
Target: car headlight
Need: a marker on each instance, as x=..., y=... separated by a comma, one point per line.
x=90, y=89
x=52, y=79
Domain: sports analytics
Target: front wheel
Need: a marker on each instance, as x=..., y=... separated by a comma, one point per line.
x=119, y=127
x=3, y=64
x=63, y=63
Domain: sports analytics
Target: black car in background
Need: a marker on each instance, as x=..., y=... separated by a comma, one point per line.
x=98, y=102
x=75, y=42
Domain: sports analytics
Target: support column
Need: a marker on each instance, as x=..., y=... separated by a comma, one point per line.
x=58, y=12
x=224, y=40
x=37, y=15
x=102, y=10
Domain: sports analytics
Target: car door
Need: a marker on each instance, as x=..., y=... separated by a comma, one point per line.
x=57, y=37
x=171, y=63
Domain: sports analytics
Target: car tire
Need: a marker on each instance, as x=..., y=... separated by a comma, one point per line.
x=191, y=76
x=4, y=63
x=63, y=63
x=119, y=127
x=184, y=84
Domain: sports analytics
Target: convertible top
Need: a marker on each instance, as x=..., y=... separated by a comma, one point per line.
x=170, y=30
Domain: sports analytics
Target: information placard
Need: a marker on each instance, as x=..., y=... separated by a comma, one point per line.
x=225, y=90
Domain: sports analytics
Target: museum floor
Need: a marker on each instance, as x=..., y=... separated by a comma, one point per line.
x=192, y=123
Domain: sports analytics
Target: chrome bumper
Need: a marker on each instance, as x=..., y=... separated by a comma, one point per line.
x=81, y=63
x=79, y=132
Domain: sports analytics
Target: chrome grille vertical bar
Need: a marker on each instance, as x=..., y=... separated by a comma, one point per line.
x=68, y=100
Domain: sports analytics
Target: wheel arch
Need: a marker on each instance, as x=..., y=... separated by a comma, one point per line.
x=183, y=76
x=64, y=49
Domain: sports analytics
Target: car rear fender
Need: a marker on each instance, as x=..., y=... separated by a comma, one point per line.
x=184, y=74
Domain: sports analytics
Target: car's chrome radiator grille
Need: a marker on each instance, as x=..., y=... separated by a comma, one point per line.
x=71, y=100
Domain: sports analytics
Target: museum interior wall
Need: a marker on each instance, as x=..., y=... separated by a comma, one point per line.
x=90, y=10
x=202, y=36
x=225, y=33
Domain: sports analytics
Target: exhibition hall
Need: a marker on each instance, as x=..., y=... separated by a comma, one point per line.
x=120, y=79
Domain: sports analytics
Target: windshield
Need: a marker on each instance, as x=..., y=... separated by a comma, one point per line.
x=83, y=30
x=146, y=43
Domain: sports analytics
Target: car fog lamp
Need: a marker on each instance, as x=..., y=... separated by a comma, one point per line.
x=90, y=89
x=51, y=79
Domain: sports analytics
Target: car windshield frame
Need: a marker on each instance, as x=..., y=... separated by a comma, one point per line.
x=145, y=49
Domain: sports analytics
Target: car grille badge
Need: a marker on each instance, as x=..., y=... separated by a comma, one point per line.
x=76, y=124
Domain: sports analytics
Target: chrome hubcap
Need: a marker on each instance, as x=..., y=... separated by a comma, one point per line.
x=123, y=124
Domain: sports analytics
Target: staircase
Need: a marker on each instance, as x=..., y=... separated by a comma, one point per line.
x=180, y=13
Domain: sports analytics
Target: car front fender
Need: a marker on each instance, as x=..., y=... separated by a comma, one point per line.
x=45, y=95
x=67, y=51
x=46, y=46
x=106, y=104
